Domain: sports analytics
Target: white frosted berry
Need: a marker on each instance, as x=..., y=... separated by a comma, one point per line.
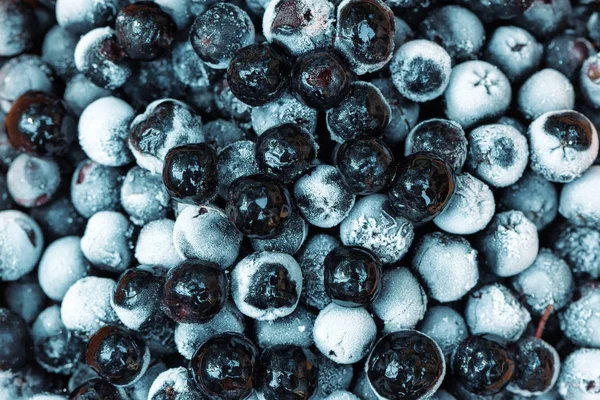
x=344, y=335
x=445, y=326
x=546, y=90
x=32, y=181
x=188, y=68
x=23, y=73
x=155, y=244
x=333, y=376
x=295, y=329
x=580, y=199
x=235, y=161
x=311, y=259
x=495, y=310
x=285, y=109
x=106, y=242
x=143, y=196
x=21, y=244
x=289, y=241
x=580, y=375
x=580, y=321
x=580, y=248
x=341, y=395
x=80, y=93
x=96, y=187
x=402, y=302
x=79, y=16
x=174, y=381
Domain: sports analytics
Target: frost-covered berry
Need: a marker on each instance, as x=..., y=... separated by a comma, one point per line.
x=205, y=233
x=57, y=50
x=18, y=27
x=266, y=285
x=447, y=265
x=578, y=321
x=515, y=51
x=143, y=196
x=342, y=395
x=477, y=92
x=563, y=144
x=421, y=70
x=365, y=34
x=95, y=187
x=61, y=265
x=498, y=154
x=176, y=382
x=81, y=16
x=311, y=259
x=22, y=244
x=16, y=341
x=446, y=326
x=25, y=297
x=32, y=181
x=402, y=302
x=494, y=309
x=155, y=244
x=589, y=80
x=578, y=199
x=103, y=130
x=101, y=59
x=373, y=225
x=86, y=305
x=165, y=124
x=295, y=329
x=534, y=196
x=289, y=240
x=106, y=242
x=188, y=337
x=344, y=335
x=510, y=243
x=284, y=110
x=333, y=376
x=80, y=93
x=299, y=26
x=322, y=197
x=470, y=209
x=537, y=365
x=187, y=68
x=229, y=105
x=567, y=52
x=579, y=374
x=220, y=133
x=235, y=160
x=545, y=91
x=580, y=248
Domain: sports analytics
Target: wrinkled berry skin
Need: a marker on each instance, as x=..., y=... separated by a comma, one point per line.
x=352, y=276
x=15, y=340
x=96, y=389
x=286, y=151
x=117, y=355
x=224, y=366
x=321, y=80
x=535, y=365
x=190, y=173
x=366, y=164
x=52, y=131
x=423, y=186
x=258, y=74
x=405, y=365
x=144, y=30
x=258, y=206
x=483, y=364
x=194, y=291
x=287, y=372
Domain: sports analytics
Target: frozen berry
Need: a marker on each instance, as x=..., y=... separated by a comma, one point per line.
x=294, y=329
x=106, y=242
x=567, y=52
x=95, y=187
x=80, y=93
x=174, y=382
x=577, y=321
x=311, y=258
x=15, y=339
x=21, y=74
x=289, y=241
x=499, y=9
x=446, y=327
x=578, y=198
x=58, y=49
x=81, y=16
x=32, y=181
x=18, y=29
x=546, y=90
x=96, y=388
x=284, y=110
x=22, y=244
x=580, y=248
x=537, y=366
x=144, y=196
x=579, y=375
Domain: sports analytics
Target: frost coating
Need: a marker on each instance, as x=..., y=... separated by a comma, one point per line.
x=32, y=181
x=144, y=197
x=546, y=90
x=235, y=161
x=289, y=241
x=80, y=93
x=175, y=380
x=580, y=248
x=445, y=326
x=580, y=321
x=21, y=244
x=95, y=187
x=188, y=68
x=402, y=302
x=494, y=309
x=106, y=242
x=155, y=244
x=372, y=224
x=23, y=73
x=333, y=376
x=580, y=375
x=470, y=209
x=580, y=199
x=515, y=51
x=294, y=329
x=285, y=109
x=344, y=335
x=79, y=16
x=447, y=265
x=341, y=395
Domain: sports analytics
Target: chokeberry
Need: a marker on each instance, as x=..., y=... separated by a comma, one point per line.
x=96, y=388
x=537, y=365
x=352, y=276
x=15, y=343
x=224, y=366
x=40, y=124
x=258, y=206
x=423, y=186
x=194, y=291
x=190, y=173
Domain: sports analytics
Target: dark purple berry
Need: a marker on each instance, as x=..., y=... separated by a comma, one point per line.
x=536, y=366
x=15, y=342
x=498, y=9
x=567, y=52
x=96, y=389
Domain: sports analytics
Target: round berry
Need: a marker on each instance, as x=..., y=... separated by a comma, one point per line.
x=580, y=248
x=289, y=241
x=446, y=327
x=107, y=241
x=577, y=322
x=15, y=339
x=21, y=74
x=96, y=388
x=579, y=375
x=567, y=52
x=284, y=110
x=32, y=181
x=19, y=23
x=546, y=90
x=537, y=366
x=176, y=383
x=22, y=244
x=58, y=49
x=311, y=259
x=294, y=329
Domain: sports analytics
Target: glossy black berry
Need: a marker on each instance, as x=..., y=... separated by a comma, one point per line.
x=423, y=186
x=321, y=80
x=258, y=74
x=366, y=164
x=498, y=9
x=96, y=389
x=536, y=366
x=40, y=124
x=287, y=372
x=352, y=276
x=144, y=30
x=15, y=342
x=286, y=151
x=117, y=355
x=483, y=364
x=194, y=291
x=573, y=129
x=190, y=173
x=258, y=206
x=405, y=365
x=224, y=366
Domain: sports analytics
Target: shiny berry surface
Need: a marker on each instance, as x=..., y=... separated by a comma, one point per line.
x=321, y=80
x=224, y=366
x=405, y=365
x=40, y=124
x=138, y=292
x=423, y=186
x=483, y=364
x=535, y=365
x=144, y=30
x=15, y=342
x=287, y=372
x=194, y=291
x=352, y=276
x=286, y=151
x=258, y=206
x=190, y=173
x=117, y=355
x=366, y=164
x=571, y=128
x=258, y=74
x=96, y=389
